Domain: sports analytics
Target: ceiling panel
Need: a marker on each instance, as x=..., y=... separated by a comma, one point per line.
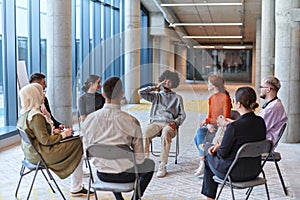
x=247, y=13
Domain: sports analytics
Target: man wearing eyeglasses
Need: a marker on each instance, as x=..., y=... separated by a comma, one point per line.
x=41, y=79
x=272, y=111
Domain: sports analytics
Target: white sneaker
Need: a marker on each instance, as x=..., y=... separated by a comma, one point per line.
x=200, y=169
x=161, y=172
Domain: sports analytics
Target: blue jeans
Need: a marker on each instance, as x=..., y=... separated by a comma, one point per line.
x=202, y=136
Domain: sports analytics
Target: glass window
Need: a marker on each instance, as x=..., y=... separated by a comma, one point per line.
x=1, y=73
x=234, y=65
x=22, y=30
x=43, y=40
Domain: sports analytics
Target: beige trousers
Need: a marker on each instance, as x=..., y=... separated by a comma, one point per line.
x=165, y=132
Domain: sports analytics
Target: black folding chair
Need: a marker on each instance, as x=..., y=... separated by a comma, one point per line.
x=40, y=166
x=276, y=157
x=173, y=153
x=248, y=150
x=112, y=152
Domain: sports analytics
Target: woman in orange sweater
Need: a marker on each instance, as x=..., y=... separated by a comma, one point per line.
x=219, y=104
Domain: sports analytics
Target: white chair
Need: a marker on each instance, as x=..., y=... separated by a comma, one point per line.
x=173, y=153
x=112, y=152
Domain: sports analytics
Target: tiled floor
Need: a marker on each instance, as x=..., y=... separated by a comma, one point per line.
x=180, y=183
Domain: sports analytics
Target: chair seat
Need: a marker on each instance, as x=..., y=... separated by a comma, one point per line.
x=115, y=187
x=276, y=155
x=31, y=166
x=242, y=184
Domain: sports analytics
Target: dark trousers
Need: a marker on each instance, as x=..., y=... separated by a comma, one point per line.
x=209, y=186
x=145, y=170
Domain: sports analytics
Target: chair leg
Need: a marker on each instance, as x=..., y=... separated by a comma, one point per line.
x=281, y=178
x=177, y=148
x=171, y=153
x=36, y=171
x=21, y=176
x=220, y=192
x=48, y=181
x=56, y=185
x=59, y=189
x=232, y=193
x=267, y=191
x=249, y=192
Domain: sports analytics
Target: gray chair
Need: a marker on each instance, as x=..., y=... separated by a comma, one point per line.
x=276, y=157
x=40, y=166
x=112, y=152
x=174, y=153
x=248, y=150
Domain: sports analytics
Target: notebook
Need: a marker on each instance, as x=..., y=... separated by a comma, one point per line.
x=75, y=135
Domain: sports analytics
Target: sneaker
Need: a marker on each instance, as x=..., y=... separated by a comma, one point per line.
x=82, y=192
x=161, y=172
x=200, y=169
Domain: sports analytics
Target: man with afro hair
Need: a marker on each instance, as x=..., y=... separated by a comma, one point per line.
x=166, y=115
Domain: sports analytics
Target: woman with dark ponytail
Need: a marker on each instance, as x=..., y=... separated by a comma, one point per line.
x=247, y=128
x=91, y=100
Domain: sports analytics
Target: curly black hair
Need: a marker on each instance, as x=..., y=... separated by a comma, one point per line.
x=173, y=76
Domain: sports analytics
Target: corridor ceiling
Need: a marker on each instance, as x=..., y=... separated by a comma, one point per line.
x=244, y=16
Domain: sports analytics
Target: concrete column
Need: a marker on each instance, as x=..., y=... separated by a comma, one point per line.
x=258, y=55
x=59, y=59
x=287, y=62
x=164, y=53
x=156, y=59
x=132, y=50
x=181, y=56
x=267, y=38
x=171, y=56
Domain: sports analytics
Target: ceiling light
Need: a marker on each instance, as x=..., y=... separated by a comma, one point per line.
x=223, y=47
x=238, y=47
x=213, y=37
x=200, y=4
x=203, y=47
x=205, y=24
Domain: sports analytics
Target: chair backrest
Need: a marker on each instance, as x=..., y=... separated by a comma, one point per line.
x=24, y=136
x=110, y=152
x=27, y=139
x=280, y=134
x=251, y=150
x=254, y=149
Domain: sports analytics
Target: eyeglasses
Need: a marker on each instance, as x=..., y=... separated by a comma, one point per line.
x=263, y=86
x=266, y=87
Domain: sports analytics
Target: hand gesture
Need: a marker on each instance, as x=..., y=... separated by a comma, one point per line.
x=221, y=120
x=211, y=128
x=160, y=84
x=173, y=125
x=68, y=132
x=213, y=149
x=202, y=124
x=62, y=126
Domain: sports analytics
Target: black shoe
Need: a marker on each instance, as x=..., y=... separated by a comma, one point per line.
x=82, y=192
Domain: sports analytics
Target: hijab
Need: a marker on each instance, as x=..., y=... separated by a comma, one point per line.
x=32, y=98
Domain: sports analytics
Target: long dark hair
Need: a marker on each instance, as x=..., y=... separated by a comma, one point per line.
x=92, y=78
